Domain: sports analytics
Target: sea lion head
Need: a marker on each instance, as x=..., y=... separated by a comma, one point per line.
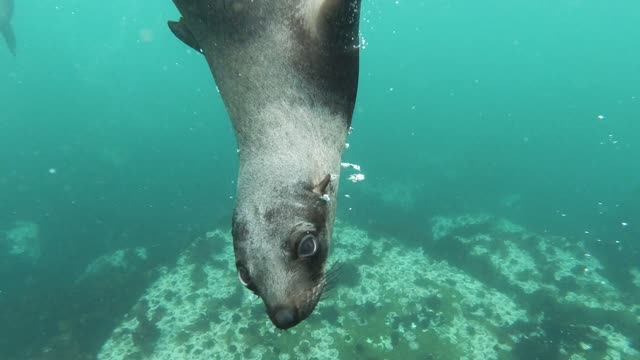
x=281, y=249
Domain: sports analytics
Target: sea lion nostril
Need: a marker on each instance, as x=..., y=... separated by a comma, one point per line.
x=284, y=317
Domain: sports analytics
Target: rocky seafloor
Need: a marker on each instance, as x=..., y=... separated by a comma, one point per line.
x=480, y=287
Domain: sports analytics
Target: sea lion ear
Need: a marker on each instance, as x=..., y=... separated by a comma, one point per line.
x=321, y=188
x=337, y=21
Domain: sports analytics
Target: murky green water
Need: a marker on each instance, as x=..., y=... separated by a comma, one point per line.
x=499, y=217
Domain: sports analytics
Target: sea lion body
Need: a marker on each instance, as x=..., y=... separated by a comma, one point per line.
x=6, y=13
x=287, y=71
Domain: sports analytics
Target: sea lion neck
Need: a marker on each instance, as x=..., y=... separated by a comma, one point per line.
x=275, y=153
x=283, y=128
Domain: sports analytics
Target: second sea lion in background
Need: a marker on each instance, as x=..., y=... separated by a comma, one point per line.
x=6, y=12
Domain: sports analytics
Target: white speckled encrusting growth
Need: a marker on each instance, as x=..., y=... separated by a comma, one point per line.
x=394, y=299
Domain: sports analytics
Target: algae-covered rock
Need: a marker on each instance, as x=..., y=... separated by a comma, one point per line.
x=529, y=295
x=23, y=240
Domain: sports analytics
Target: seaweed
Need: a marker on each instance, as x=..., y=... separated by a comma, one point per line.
x=202, y=324
x=201, y=251
x=198, y=277
x=330, y=313
x=145, y=335
x=235, y=299
x=348, y=275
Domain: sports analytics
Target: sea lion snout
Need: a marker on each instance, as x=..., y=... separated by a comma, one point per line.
x=284, y=317
x=294, y=308
x=290, y=291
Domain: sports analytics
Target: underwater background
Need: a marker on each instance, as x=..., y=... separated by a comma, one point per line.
x=499, y=218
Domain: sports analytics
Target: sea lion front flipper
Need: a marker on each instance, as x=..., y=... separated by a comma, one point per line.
x=182, y=32
x=10, y=38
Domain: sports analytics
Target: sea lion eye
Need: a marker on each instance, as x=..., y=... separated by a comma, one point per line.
x=243, y=274
x=308, y=246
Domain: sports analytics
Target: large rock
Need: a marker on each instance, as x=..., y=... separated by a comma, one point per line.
x=23, y=241
x=392, y=301
x=123, y=261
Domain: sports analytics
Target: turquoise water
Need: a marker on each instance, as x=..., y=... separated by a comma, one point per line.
x=470, y=116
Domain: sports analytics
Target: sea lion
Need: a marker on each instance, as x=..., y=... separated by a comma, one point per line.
x=287, y=71
x=6, y=12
